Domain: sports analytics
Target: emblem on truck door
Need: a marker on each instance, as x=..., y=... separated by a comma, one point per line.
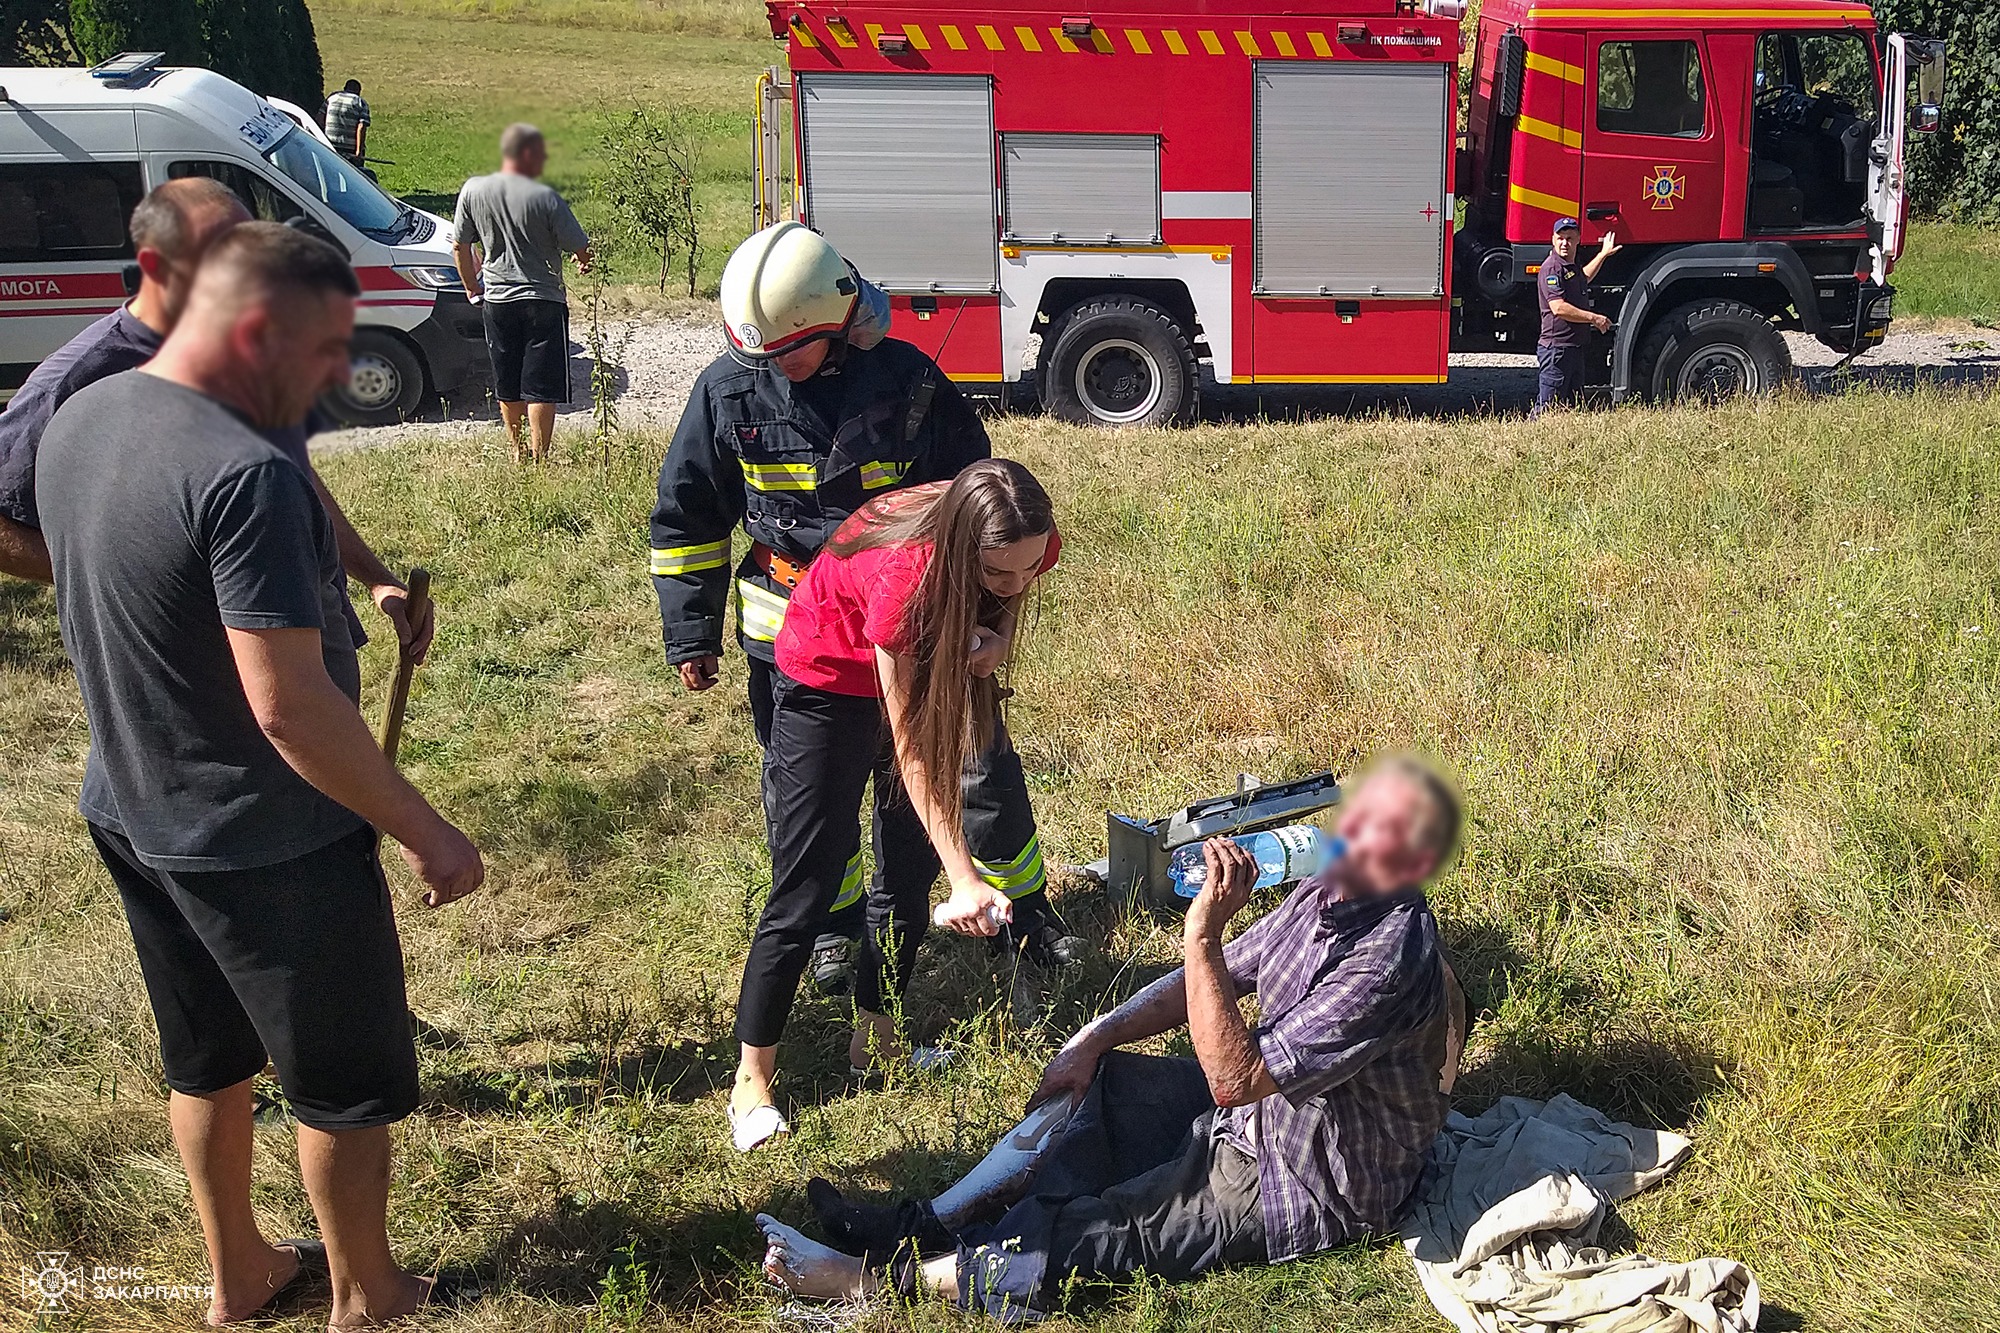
x=1664, y=186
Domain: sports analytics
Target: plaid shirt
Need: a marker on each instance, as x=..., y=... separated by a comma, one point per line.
x=344, y=112
x=1353, y=1034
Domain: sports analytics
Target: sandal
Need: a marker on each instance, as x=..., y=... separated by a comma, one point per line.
x=754, y=1128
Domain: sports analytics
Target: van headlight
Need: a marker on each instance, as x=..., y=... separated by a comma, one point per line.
x=1878, y=309
x=436, y=277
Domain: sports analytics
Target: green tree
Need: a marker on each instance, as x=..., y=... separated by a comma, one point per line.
x=35, y=32
x=100, y=29
x=268, y=46
x=1956, y=171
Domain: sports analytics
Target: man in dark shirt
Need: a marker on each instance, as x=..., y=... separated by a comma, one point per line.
x=1279, y=1140
x=233, y=789
x=1563, y=293
x=171, y=228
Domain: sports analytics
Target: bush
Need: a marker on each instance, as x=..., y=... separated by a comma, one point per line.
x=268, y=46
x=654, y=155
x=1956, y=171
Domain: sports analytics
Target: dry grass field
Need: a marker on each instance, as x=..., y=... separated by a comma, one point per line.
x=1719, y=685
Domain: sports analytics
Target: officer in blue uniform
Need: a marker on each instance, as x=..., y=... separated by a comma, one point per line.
x=1567, y=319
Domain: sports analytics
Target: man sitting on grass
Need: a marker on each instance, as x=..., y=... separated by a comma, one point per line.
x=1276, y=1141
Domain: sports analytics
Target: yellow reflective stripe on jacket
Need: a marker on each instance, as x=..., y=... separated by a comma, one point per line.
x=760, y=613
x=850, y=885
x=1019, y=877
x=780, y=476
x=874, y=476
x=688, y=559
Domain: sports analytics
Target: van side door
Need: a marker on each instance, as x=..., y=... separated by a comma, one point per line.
x=68, y=184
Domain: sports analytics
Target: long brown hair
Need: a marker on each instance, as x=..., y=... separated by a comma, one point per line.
x=952, y=714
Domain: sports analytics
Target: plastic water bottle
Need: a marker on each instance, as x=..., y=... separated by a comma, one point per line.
x=1298, y=851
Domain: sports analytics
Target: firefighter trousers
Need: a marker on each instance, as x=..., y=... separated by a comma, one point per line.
x=824, y=751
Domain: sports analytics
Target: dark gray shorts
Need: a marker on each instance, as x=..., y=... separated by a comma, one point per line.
x=296, y=964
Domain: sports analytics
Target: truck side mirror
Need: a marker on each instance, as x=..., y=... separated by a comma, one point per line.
x=1929, y=85
x=1926, y=118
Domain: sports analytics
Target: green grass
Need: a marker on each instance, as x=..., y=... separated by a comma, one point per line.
x=442, y=83
x=1950, y=270
x=1719, y=685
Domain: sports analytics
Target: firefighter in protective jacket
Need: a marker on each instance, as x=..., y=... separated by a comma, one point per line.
x=810, y=413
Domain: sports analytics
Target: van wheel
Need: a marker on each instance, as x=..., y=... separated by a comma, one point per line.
x=1119, y=361
x=1710, y=351
x=386, y=386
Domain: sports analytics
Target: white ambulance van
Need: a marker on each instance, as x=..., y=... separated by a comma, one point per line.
x=79, y=148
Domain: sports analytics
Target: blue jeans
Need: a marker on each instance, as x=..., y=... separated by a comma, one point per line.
x=1561, y=375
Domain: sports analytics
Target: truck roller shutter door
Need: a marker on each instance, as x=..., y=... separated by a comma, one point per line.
x=899, y=176
x=1085, y=189
x=1350, y=194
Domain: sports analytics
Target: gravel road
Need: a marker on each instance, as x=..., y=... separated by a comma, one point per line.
x=662, y=357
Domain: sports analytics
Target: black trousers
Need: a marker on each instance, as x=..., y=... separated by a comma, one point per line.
x=1137, y=1182
x=999, y=824
x=1559, y=377
x=823, y=752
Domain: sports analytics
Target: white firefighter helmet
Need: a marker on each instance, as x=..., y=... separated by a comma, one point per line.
x=784, y=287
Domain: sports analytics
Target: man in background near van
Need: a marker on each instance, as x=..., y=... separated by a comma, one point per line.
x=347, y=122
x=171, y=229
x=233, y=790
x=523, y=229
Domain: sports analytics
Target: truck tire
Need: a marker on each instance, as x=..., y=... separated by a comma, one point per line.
x=387, y=384
x=1119, y=361
x=1710, y=351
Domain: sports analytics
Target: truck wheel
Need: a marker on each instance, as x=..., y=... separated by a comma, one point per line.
x=387, y=384
x=1119, y=361
x=1709, y=351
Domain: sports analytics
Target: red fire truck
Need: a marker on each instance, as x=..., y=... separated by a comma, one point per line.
x=1103, y=199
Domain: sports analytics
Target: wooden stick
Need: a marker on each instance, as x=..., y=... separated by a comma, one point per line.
x=418, y=605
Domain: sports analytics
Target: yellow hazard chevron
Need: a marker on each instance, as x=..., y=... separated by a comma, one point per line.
x=1053, y=41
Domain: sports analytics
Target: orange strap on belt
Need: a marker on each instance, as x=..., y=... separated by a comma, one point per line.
x=786, y=572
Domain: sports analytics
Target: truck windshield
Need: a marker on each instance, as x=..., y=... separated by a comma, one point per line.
x=340, y=186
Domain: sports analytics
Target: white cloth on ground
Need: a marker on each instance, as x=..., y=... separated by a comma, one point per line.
x=1504, y=1229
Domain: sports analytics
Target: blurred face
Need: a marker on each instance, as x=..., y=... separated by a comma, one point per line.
x=295, y=354
x=532, y=158
x=802, y=363
x=1380, y=822
x=172, y=277
x=1006, y=571
x=1565, y=245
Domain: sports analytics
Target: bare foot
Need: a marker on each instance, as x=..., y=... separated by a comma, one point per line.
x=253, y=1288
x=808, y=1268
x=875, y=1037
x=749, y=1094
x=357, y=1310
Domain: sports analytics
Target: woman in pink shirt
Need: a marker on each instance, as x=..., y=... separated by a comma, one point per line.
x=886, y=669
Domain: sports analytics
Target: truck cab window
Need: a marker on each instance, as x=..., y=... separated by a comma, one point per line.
x=266, y=202
x=62, y=212
x=1650, y=88
x=1815, y=113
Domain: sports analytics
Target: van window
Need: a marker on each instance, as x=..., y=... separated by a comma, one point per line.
x=338, y=184
x=266, y=202
x=1650, y=88
x=63, y=212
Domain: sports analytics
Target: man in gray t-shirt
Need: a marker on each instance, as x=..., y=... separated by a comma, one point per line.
x=523, y=229
x=233, y=790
